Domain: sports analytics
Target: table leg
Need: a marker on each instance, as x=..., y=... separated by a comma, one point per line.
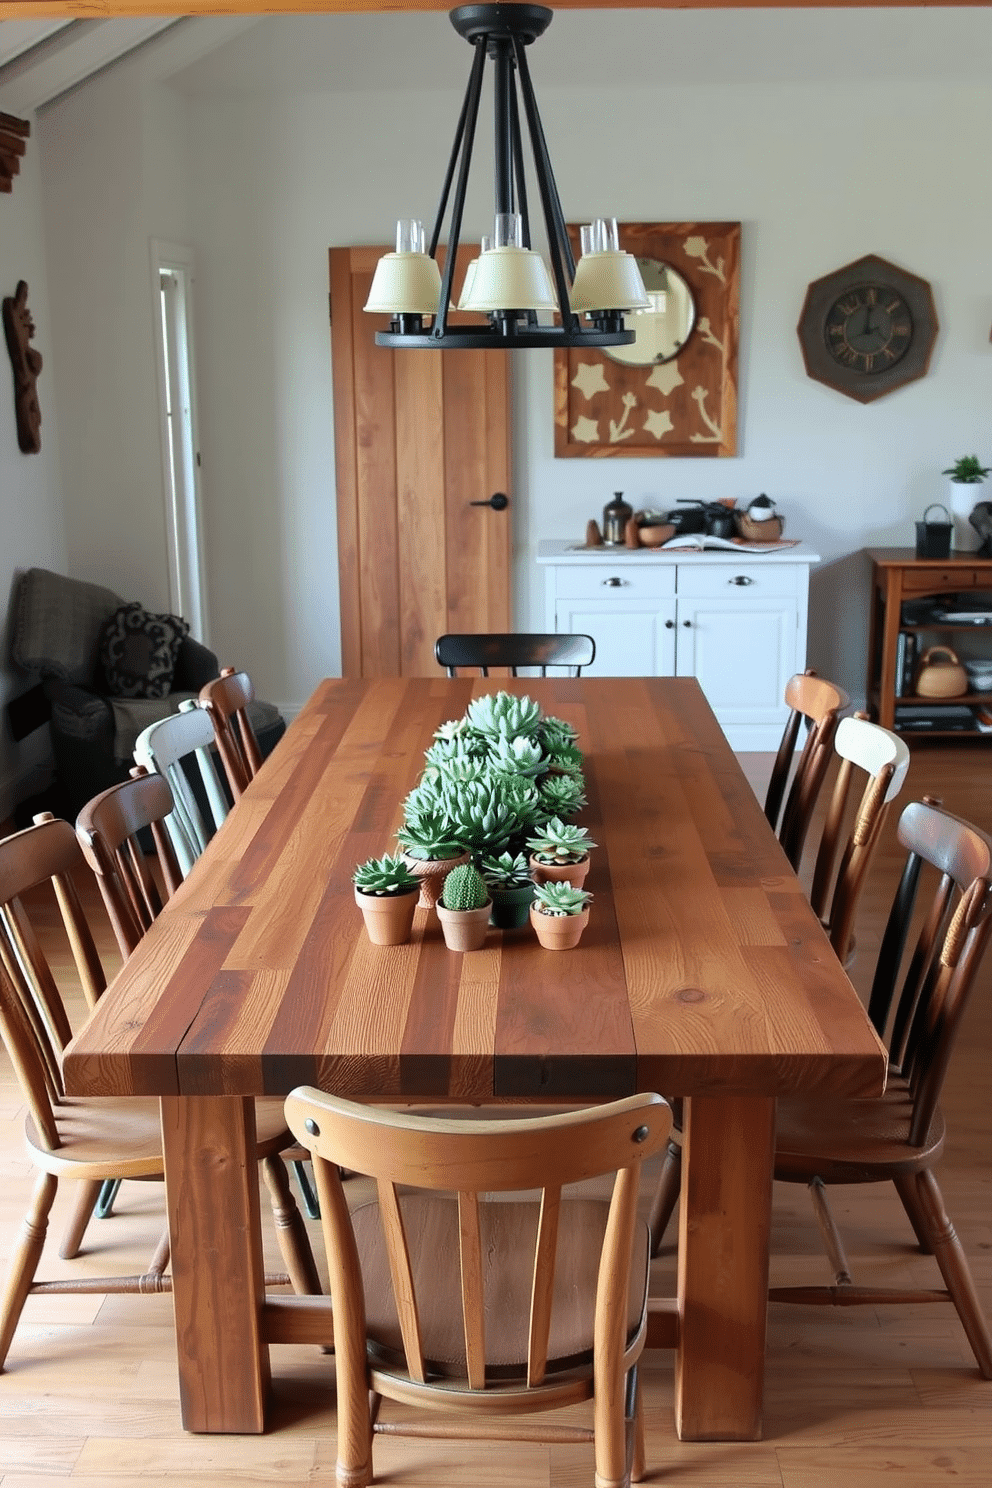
x=211, y=1176
x=728, y=1150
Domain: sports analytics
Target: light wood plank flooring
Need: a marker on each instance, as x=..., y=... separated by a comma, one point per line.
x=854, y=1397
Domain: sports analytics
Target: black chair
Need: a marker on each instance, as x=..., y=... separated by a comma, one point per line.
x=513, y=650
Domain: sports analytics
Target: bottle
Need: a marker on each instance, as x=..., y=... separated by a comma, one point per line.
x=616, y=514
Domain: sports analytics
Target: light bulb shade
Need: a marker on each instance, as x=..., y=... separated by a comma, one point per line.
x=463, y=302
x=509, y=279
x=608, y=281
x=405, y=284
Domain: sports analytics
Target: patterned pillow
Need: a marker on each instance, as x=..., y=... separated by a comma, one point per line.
x=138, y=652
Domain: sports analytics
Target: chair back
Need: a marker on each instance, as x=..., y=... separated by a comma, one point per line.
x=820, y=703
x=513, y=650
x=471, y=1161
x=107, y=828
x=226, y=700
x=167, y=748
x=923, y=1015
x=34, y=1022
x=884, y=759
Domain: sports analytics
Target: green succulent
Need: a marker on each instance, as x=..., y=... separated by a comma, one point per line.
x=506, y=872
x=502, y=715
x=384, y=877
x=484, y=818
x=565, y=759
x=562, y=795
x=557, y=842
x=519, y=756
x=968, y=471
x=463, y=768
x=554, y=734
x=560, y=899
x=427, y=834
x=465, y=888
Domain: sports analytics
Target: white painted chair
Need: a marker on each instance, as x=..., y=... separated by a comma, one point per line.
x=161, y=749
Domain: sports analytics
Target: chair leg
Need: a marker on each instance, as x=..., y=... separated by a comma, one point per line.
x=291, y=1232
x=613, y=1408
x=665, y=1195
x=955, y=1270
x=908, y=1193
x=108, y=1193
x=24, y=1261
x=88, y=1196
x=831, y=1235
x=307, y=1193
x=637, y=1459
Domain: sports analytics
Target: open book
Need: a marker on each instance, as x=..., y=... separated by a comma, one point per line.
x=702, y=540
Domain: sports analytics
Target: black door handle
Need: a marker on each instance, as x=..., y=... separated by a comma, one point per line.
x=497, y=501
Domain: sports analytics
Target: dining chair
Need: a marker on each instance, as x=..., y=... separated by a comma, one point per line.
x=818, y=703
x=175, y=745
x=225, y=701
x=87, y=1140
x=918, y=1012
x=448, y=1292
x=515, y=649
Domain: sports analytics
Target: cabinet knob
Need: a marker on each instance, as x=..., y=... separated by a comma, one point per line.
x=687, y=624
x=615, y=583
x=741, y=579
x=669, y=624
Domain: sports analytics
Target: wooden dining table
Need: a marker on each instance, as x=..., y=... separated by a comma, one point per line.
x=703, y=973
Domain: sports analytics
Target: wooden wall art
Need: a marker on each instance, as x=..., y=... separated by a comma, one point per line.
x=26, y=361
x=13, y=133
x=686, y=406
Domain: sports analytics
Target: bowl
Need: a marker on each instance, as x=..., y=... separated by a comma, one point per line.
x=979, y=675
x=653, y=536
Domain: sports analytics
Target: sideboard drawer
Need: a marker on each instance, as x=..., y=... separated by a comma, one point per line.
x=712, y=580
x=943, y=580
x=618, y=581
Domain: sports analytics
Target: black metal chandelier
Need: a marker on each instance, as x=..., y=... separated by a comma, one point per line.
x=508, y=283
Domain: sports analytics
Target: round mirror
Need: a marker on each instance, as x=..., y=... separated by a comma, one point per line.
x=664, y=328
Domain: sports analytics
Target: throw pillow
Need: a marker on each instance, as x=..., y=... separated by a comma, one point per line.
x=138, y=652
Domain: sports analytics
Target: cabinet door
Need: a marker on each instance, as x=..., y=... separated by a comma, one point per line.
x=742, y=651
x=634, y=638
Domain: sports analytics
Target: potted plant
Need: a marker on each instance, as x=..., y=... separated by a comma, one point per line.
x=965, y=474
x=560, y=852
x=430, y=849
x=559, y=914
x=386, y=892
x=511, y=889
x=463, y=909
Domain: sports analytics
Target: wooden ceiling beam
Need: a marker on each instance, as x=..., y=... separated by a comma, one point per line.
x=99, y=9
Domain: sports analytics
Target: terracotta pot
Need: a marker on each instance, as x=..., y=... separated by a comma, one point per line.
x=510, y=907
x=464, y=929
x=388, y=917
x=558, y=932
x=432, y=872
x=573, y=873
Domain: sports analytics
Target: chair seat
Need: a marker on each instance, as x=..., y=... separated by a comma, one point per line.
x=508, y=1234
x=852, y=1141
x=121, y=1138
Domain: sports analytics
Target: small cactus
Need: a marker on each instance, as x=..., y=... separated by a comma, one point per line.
x=464, y=888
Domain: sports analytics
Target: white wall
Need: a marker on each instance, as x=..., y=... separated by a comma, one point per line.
x=819, y=170
x=30, y=491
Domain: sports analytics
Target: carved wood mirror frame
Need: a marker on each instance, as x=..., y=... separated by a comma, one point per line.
x=684, y=407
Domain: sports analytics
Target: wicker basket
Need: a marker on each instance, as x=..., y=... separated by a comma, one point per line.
x=770, y=530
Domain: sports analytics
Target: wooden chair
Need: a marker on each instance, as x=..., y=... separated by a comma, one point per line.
x=820, y=703
x=447, y=1297
x=225, y=701
x=87, y=1140
x=513, y=650
x=167, y=748
x=901, y=1137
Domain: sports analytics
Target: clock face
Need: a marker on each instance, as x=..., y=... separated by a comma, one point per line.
x=868, y=328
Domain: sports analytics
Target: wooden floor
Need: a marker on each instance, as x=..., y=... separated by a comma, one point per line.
x=854, y=1398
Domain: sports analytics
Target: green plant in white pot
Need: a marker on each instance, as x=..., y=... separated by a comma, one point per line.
x=463, y=909
x=386, y=892
x=965, y=476
x=559, y=914
x=511, y=889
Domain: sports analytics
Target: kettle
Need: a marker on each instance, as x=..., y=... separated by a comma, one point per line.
x=940, y=674
x=616, y=514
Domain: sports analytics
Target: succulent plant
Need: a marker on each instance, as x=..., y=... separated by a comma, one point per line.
x=519, y=756
x=502, y=715
x=560, y=899
x=558, y=842
x=565, y=759
x=384, y=877
x=484, y=819
x=428, y=834
x=562, y=795
x=554, y=734
x=969, y=471
x=464, y=888
x=506, y=872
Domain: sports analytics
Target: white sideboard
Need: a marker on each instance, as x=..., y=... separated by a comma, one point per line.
x=734, y=620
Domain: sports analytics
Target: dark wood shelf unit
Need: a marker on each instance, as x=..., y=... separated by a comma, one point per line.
x=898, y=575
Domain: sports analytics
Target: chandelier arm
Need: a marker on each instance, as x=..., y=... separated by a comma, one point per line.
x=503, y=163
x=471, y=112
x=516, y=145
x=559, y=247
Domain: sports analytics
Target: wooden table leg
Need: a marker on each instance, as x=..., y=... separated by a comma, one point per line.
x=211, y=1175
x=728, y=1151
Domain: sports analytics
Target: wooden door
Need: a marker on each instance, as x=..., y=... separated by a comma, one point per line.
x=419, y=435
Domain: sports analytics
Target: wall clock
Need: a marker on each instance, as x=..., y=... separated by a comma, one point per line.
x=867, y=328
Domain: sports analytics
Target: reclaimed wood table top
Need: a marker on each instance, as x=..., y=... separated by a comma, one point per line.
x=702, y=970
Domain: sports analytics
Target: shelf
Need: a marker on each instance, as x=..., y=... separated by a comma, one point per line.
x=949, y=625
